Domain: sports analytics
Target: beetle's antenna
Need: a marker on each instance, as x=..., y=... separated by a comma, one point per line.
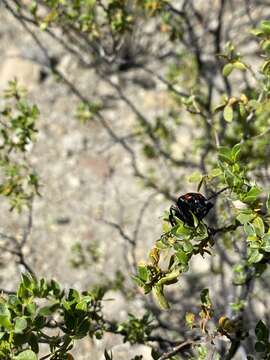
x=217, y=193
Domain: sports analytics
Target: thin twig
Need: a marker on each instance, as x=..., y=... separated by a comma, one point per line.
x=29, y=225
x=183, y=346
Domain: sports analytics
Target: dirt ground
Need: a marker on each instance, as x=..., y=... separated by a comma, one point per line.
x=84, y=176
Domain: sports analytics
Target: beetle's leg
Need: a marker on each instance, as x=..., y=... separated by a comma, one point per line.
x=171, y=216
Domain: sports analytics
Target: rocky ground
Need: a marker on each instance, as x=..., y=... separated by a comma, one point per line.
x=84, y=176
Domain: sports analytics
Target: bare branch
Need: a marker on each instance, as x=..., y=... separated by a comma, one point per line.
x=183, y=346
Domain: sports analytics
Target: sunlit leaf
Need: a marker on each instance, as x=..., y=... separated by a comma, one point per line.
x=255, y=256
x=252, y=194
x=20, y=325
x=160, y=298
x=228, y=113
x=227, y=69
x=239, y=65
x=26, y=355
x=259, y=226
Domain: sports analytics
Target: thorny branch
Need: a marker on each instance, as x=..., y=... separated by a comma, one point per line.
x=18, y=245
x=183, y=346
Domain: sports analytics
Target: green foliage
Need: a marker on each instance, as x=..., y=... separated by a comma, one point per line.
x=24, y=318
x=262, y=345
x=19, y=181
x=183, y=241
x=26, y=355
x=234, y=60
x=87, y=111
x=136, y=330
x=247, y=201
x=85, y=257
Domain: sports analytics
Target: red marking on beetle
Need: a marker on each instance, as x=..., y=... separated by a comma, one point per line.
x=187, y=197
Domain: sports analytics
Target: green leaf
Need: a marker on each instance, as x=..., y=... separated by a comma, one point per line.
x=195, y=221
x=169, y=278
x=13, y=302
x=147, y=288
x=252, y=195
x=201, y=232
x=266, y=46
x=255, y=256
x=249, y=229
x=238, y=306
x=242, y=110
x=20, y=325
x=26, y=355
x=73, y=295
x=245, y=216
x=266, y=67
x=225, y=154
x=187, y=246
x=253, y=242
x=182, y=232
x=195, y=177
x=228, y=113
x=205, y=298
x=268, y=203
x=239, y=66
x=138, y=281
x=253, y=104
x=142, y=272
x=220, y=107
x=215, y=172
x=55, y=287
x=182, y=257
x=33, y=342
x=235, y=152
x=31, y=308
x=265, y=26
x=240, y=275
x=266, y=243
x=190, y=319
x=259, y=226
x=83, y=328
x=166, y=226
x=227, y=69
x=43, y=26
x=4, y=311
x=39, y=322
x=160, y=245
x=256, y=32
x=5, y=316
x=45, y=311
x=27, y=280
x=260, y=347
x=159, y=296
x=261, y=331
x=83, y=304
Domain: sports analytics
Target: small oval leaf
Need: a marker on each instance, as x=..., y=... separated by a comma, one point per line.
x=228, y=113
